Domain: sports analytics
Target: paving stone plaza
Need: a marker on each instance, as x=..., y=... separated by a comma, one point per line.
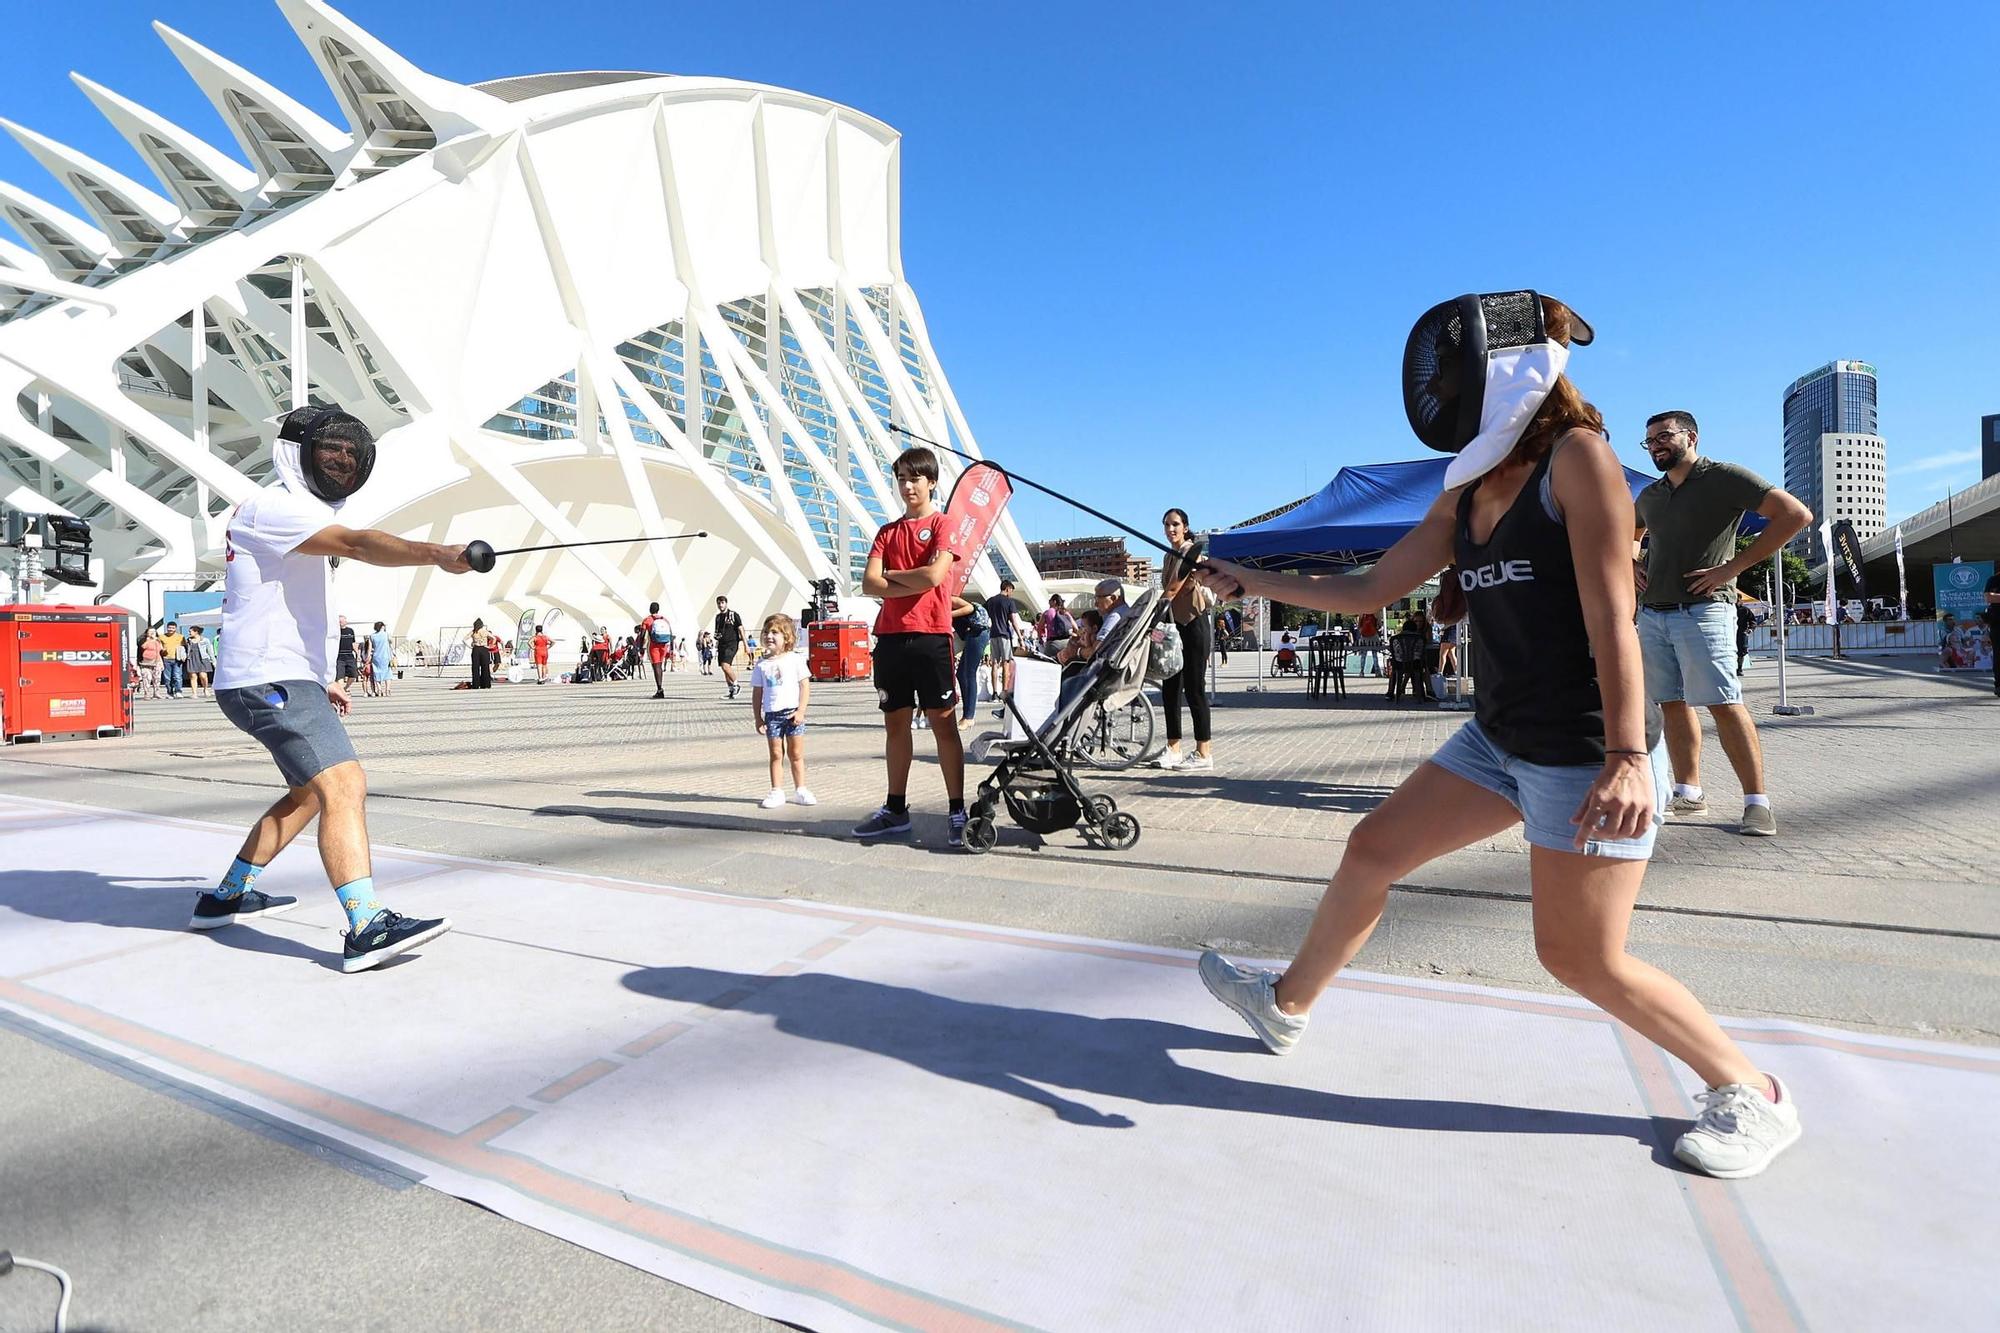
x=1872, y=913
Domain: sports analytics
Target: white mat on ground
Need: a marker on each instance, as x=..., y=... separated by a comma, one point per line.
x=851, y=1119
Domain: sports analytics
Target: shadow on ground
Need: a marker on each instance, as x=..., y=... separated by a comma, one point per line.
x=1016, y=1051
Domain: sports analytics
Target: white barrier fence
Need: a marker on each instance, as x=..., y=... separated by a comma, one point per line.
x=1876, y=638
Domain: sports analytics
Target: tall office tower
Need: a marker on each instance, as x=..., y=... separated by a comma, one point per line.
x=1834, y=455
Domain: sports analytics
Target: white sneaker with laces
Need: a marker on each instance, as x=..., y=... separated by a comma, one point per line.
x=804, y=797
x=773, y=801
x=1196, y=763
x=1740, y=1130
x=1169, y=759
x=1252, y=994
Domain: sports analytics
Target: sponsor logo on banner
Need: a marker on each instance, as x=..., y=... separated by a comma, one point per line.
x=70, y=656
x=66, y=708
x=1961, y=595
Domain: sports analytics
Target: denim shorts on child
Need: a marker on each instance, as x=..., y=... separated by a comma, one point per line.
x=1547, y=795
x=780, y=726
x=295, y=721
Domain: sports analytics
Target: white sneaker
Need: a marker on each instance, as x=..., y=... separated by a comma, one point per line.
x=1196, y=763
x=805, y=797
x=1253, y=996
x=1740, y=1130
x=1169, y=759
x=773, y=801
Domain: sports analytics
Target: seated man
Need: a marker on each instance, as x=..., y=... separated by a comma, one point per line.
x=1111, y=607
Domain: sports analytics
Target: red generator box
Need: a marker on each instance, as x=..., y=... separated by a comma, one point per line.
x=63, y=672
x=838, y=650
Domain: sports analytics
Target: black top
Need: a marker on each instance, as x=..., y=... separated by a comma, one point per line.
x=728, y=627
x=346, y=641
x=1538, y=697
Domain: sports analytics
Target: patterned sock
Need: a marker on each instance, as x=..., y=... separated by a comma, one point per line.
x=357, y=898
x=242, y=878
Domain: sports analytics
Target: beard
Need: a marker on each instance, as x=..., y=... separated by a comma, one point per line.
x=1672, y=460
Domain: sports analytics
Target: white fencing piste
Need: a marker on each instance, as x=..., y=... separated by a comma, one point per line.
x=851, y=1119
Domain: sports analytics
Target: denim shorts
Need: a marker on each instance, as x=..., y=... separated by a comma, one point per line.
x=779, y=726
x=1690, y=654
x=295, y=721
x=1547, y=795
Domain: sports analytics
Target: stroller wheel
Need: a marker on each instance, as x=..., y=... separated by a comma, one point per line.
x=1121, y=831
x=1101, y=808
x=980, y=835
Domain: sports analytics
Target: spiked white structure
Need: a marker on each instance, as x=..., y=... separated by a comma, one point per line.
x=572, y=306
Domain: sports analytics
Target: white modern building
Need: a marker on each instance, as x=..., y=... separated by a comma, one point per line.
x=572, y=307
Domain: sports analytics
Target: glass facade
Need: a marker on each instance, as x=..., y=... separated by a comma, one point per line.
x=1839, y=398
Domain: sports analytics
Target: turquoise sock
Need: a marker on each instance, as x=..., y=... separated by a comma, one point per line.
x=357, y=897
x=242, y=878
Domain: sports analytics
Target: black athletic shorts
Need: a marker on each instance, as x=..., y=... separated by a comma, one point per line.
x=913, y=670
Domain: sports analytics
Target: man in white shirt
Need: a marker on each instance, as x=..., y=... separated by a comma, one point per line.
x=275, y=681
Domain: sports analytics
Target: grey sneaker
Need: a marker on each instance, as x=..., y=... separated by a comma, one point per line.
x=883, y=822
x=1758, y=822
x=1252, y=995
x=1687, y=805
x=1196, y=763
x=1740, y=1130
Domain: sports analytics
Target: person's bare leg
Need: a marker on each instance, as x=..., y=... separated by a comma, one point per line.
x=776, y=747
x=659, y=675
x=1683, y=729
x=1432, y=813
x=343, y=822
x=795, y=746
x=1737, y=731
x=1582, y=907
x=277, y=826
x=897, y=750
x=950, y=749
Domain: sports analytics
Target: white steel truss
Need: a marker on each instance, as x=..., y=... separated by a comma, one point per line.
x=570, y=305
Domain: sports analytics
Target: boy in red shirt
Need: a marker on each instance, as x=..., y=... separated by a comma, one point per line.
x=542, y=645
x=659, y=638
x=907, y=568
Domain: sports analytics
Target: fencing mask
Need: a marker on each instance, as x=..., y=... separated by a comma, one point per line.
x=325, y=450
x=1475, y=372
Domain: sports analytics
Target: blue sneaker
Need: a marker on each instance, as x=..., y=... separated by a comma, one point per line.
x=884, y=822
x=386, y=935
x=213, y=913
x=954, y=834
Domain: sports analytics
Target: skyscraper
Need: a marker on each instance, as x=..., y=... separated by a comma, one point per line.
x=1834, y=454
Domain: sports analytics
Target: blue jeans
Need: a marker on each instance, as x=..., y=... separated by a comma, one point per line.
x=971, y=652
x=1690, y=654
x=175, y=677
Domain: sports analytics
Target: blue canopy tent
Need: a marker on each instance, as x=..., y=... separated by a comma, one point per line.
x=1361, y=513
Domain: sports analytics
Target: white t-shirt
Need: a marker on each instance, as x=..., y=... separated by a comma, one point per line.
x=779, y=676
x=275, y=621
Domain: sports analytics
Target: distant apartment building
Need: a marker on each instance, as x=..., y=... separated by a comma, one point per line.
x=1087, y=557
x=1835, y=457
x=1989, y=446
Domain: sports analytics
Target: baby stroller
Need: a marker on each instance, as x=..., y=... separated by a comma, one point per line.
x=1036, y=776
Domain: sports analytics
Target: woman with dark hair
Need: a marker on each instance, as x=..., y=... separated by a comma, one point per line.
x=1539, y=521
x=1193, y=606
x=482, y=657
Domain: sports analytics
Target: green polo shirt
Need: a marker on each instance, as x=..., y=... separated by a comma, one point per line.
x=1693, y=526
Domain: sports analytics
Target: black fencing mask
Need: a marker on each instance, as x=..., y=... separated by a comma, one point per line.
x=335, y=455
x=1476, y=370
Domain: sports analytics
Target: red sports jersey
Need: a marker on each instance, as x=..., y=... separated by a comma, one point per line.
x=912, y=543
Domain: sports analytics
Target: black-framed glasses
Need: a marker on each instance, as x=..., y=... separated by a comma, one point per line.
x=1661, y=438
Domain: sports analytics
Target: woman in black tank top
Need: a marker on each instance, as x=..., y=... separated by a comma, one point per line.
x=1542, y=547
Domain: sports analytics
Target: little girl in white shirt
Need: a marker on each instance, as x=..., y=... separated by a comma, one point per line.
x=780, y=686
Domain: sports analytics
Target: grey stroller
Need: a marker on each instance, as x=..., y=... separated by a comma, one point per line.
x=1036, y=775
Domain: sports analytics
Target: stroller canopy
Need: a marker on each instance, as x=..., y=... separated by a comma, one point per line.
x=1360, y=514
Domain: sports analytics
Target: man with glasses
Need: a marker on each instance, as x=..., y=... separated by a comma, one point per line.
x=1111, y=604
x=1686, y=572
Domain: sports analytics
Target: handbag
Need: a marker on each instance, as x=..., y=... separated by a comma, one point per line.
x=1164, y=656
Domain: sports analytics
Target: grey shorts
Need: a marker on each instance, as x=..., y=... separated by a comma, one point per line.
x=999, y=649
x=295, y=721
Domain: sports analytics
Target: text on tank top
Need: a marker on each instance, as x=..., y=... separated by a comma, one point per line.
x=1537, y=694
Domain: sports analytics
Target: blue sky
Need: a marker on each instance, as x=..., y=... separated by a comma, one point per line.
x=1169, y=252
